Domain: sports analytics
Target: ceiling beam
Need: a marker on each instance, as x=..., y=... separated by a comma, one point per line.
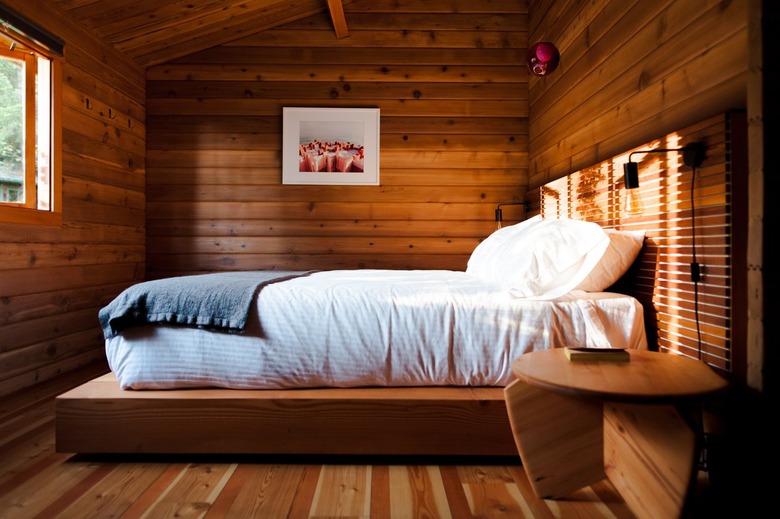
x=337, y=15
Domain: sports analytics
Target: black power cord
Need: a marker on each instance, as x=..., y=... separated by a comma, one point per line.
x=693, y=156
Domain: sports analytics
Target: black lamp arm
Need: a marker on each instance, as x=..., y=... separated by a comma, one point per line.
x=693, y=156
x=499, y=214
x=693, y=153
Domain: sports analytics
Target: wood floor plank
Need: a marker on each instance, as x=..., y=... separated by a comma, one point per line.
x=117, y=492
x=266, y=490
x=456, y=496
x=226, y=500
x=36, y=493
x=304, y=495
x=380, y=492
x=491, y=492
x=29, y=470
x=154, y=491
x=418, y=491
x=536, y=507
x=78, y=491
x=194, y=490
x=343, y=491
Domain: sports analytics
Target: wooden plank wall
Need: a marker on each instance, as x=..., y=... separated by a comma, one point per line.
x=53, y=280
x=629, y=72
x=687, y=216
x=449, y=79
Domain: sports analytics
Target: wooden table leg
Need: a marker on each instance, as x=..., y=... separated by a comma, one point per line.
x=560, y=439
x=650, y=455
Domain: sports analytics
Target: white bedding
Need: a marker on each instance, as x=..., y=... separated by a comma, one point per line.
x=351, y=328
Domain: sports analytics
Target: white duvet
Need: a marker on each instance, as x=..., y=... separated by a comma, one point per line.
x=350, y=328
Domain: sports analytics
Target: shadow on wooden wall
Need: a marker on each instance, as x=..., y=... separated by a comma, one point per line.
x=691, y=215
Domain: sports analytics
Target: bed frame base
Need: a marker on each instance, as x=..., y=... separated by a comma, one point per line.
x=99, y=417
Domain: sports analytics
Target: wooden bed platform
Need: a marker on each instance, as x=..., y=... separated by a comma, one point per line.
x=99, y=417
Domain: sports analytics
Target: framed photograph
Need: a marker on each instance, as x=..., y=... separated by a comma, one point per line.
x=337, y=146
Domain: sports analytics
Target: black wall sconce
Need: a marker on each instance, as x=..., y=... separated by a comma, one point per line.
x=500, y=214
x=693, y=156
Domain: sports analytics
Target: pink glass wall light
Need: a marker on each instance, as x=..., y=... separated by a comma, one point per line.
x=543, y=57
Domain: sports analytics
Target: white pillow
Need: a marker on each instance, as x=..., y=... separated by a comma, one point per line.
x=538, y=258
x=624, y=247
x=483, y=256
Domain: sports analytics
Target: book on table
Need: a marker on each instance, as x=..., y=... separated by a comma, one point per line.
x=597, y=354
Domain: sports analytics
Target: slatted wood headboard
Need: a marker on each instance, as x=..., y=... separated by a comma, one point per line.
x=683, y=214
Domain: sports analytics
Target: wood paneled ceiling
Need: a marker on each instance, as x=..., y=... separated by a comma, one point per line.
x=158, y=31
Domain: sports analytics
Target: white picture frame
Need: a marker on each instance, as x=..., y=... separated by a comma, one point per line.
x=330, y=146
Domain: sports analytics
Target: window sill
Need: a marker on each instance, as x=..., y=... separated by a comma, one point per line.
x=22, y=215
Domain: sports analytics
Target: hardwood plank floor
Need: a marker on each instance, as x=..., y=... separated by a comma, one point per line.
x=37, y=482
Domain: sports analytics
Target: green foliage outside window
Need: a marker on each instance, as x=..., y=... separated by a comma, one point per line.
x=11, y=118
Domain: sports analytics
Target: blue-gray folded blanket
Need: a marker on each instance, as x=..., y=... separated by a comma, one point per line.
x=218, y=301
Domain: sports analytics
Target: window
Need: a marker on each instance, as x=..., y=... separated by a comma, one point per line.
x=30, y=133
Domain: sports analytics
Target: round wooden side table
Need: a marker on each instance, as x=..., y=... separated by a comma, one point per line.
x=635, y=422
